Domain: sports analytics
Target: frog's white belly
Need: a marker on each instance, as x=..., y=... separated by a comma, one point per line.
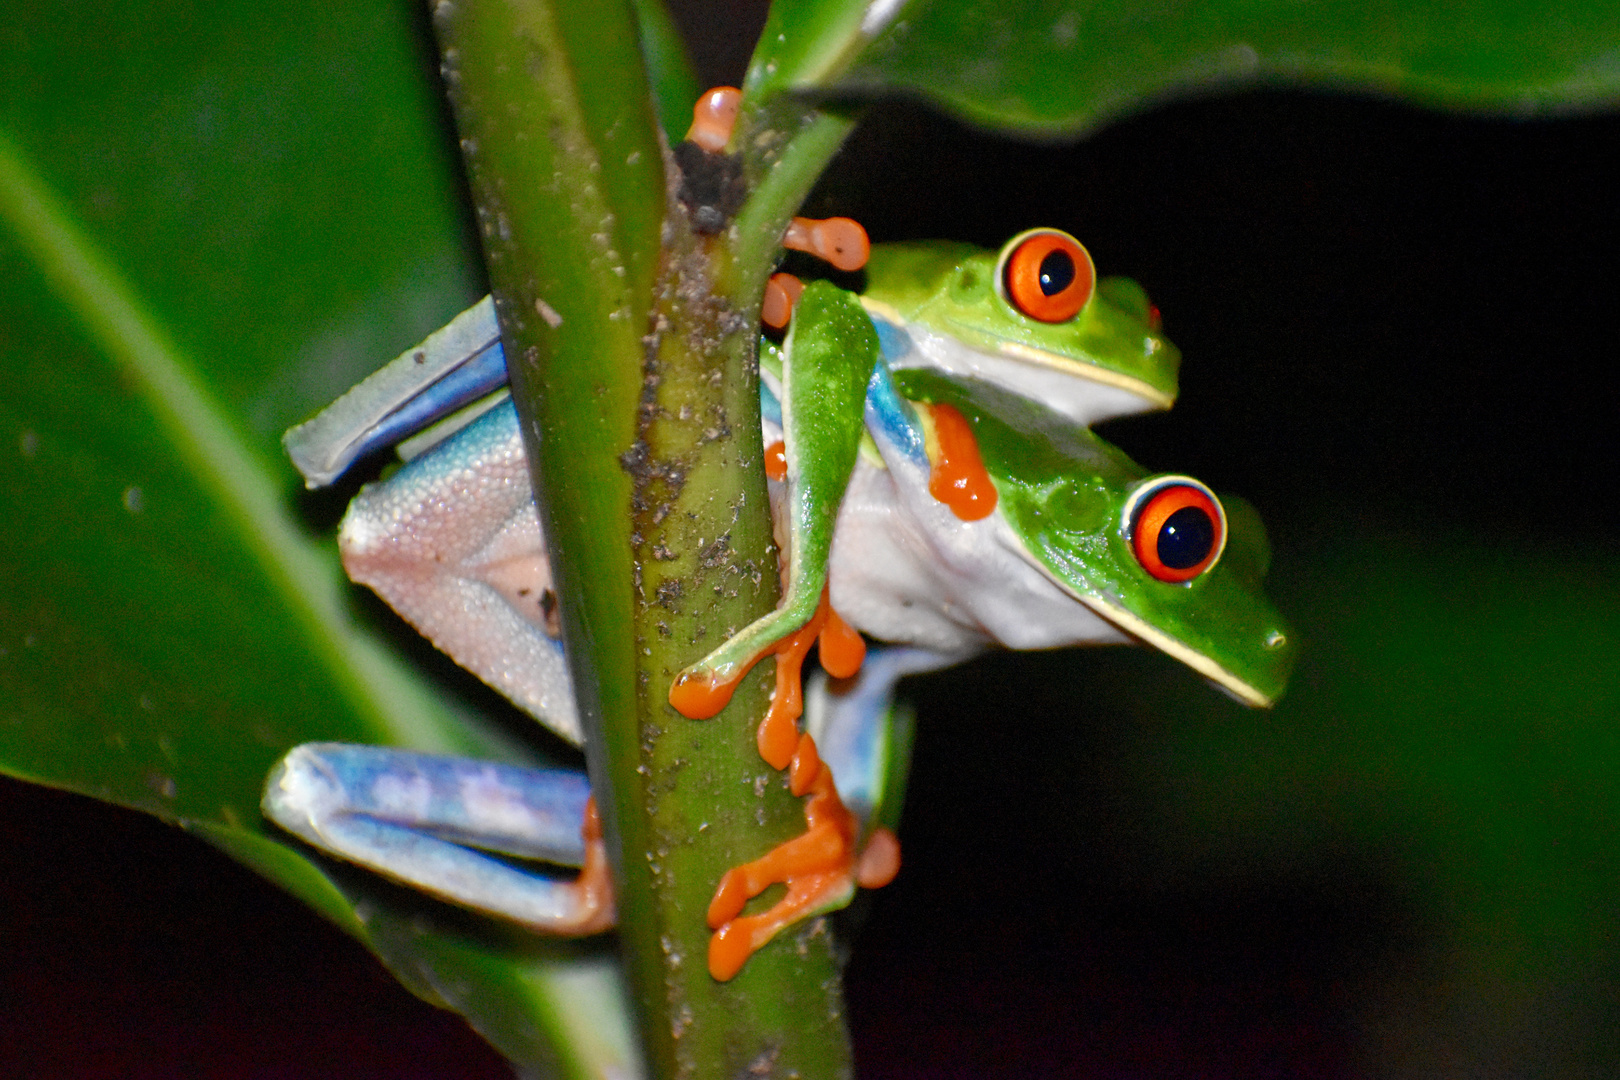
x=905, y=568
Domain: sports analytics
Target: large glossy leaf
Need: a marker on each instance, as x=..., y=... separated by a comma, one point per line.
x=215, y=219
x=1060, y=66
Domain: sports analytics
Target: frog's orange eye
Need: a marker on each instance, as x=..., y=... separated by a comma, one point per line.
x=1046, y=274
x=1177, y=528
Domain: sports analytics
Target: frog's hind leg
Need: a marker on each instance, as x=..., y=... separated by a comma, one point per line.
x=454, y=828
x=864, y=733
x=868, y=740
x=453, y=543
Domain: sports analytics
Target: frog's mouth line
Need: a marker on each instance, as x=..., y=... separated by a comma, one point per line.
x=1117, y=616
x=1017, y=350
x=1029, y=354
x=1200, y=663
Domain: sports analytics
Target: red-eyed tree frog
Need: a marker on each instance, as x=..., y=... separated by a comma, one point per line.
x=938, y=489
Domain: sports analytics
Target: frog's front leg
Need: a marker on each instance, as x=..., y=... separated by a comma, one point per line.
x=831, y=351
x=438, y=824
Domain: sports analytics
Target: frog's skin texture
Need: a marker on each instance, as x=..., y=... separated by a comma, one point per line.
x=452, y=541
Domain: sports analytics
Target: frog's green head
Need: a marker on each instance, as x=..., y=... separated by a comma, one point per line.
x=1182, y=570
x=1161, y=557
x=1032, y=318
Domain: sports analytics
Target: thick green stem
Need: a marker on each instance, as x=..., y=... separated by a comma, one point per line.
x=630, y=343
x=706, y=568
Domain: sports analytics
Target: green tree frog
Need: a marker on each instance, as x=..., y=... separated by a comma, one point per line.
x=937, y=489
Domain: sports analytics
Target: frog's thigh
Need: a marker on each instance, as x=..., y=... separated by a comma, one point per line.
x=453, y=543
x=428, y=820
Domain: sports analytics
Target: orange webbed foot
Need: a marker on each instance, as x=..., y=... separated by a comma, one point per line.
x=842, y=651
x=820, y=868
x=840, y=241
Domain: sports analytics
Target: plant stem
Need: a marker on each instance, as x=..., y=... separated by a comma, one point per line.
x=630, y=342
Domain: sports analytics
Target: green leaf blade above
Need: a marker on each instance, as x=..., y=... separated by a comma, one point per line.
x=1055, y=68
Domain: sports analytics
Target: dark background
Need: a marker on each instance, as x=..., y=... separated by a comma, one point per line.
x=1398, y=344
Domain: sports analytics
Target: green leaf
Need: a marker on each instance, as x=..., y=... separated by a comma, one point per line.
x=200, y=245
x=1061, y=66
x=669, y=70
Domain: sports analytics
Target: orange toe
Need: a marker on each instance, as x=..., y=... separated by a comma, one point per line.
x=819, y=866
x=880, y=861
x=713, y=118
x=729, y=898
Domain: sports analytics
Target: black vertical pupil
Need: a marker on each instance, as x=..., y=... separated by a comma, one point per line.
x=1186, y=538
x=1057, y=271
